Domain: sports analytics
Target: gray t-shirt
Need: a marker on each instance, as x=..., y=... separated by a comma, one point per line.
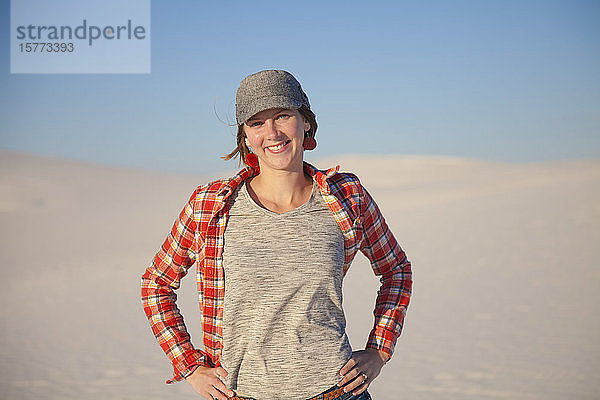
x=284, y=329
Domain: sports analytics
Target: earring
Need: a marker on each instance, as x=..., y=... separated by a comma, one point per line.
x=309, y=143
x=251, y=160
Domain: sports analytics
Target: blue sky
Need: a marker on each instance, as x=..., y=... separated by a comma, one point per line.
x=500, y=80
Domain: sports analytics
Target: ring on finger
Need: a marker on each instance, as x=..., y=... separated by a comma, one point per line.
x=365, y=377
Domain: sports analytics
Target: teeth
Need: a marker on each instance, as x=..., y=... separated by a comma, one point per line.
x=278, y=147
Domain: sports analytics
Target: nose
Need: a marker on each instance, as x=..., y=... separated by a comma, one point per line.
x=270, y=128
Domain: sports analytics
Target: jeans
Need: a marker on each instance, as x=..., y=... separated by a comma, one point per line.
x=363, y=396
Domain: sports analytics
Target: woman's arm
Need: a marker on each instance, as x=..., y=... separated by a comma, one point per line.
x=388, y=261
x=159, y=282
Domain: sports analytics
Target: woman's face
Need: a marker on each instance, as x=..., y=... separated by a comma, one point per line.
x=276, y=136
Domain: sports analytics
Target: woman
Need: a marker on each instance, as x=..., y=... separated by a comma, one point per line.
x=272, y=245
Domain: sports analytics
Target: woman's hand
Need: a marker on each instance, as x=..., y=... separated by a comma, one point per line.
x=207, y=382
x=361, y=369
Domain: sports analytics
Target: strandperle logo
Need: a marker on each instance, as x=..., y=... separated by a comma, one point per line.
x=80, y=37
x=128, y=31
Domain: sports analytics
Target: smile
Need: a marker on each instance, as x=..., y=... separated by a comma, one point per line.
x=278, y=147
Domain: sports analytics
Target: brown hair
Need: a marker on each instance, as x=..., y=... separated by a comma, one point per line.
x=241, y=150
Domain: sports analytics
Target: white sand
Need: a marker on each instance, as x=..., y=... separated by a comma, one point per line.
x=506, y=261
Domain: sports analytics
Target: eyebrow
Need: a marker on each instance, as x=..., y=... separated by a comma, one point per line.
x=278, y=111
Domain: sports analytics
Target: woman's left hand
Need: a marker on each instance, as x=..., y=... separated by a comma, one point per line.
x=361, y=369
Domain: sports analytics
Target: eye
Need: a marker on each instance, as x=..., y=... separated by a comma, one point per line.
x=283, y=116
x=255, y=124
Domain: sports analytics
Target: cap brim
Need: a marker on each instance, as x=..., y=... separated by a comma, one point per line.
x=267, y=103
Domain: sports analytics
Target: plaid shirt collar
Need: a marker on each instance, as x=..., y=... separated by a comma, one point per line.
x=317, y=175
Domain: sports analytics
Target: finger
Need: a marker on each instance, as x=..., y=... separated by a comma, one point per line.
x=221, y=373
x=354, y=384
x=348, y=366
x=216, y=394
x=361, y=388
x=349, y=377
x=220, y=386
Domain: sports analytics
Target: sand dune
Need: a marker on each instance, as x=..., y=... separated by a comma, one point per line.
x=506, y=262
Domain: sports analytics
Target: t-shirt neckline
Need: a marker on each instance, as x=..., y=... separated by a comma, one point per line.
x=273, y=213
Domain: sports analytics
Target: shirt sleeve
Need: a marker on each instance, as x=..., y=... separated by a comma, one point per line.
x=389, y=262
x=159, y=282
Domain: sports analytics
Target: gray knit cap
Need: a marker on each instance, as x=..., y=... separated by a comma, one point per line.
x=267, y=89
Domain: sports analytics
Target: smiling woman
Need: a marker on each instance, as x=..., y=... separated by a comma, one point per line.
x=242, y=151
x=272, y=246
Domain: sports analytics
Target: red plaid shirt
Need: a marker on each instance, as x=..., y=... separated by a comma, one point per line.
x=197, y=237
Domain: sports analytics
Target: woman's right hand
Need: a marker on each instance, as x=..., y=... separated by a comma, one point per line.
x=207, y=382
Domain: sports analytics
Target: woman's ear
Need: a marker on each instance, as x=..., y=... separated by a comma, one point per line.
x=306, y=125
x=247, y=143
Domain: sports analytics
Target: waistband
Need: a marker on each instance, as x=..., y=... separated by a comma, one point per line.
x=330, y=394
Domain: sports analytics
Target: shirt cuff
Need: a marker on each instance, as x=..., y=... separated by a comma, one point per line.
x=186, y=365
x=382, y=339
